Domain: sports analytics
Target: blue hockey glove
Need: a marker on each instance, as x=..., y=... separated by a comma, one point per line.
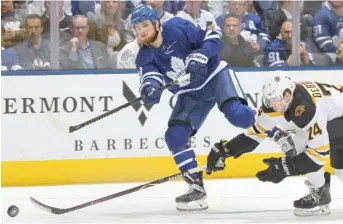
x=196, y=63
x=152, y=92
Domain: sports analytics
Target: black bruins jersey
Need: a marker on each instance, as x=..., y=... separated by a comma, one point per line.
x=312, y=106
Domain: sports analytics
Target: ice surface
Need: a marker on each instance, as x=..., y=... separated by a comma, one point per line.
x=230, y=201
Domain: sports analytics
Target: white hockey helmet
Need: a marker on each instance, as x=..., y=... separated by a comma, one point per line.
x=275, y=87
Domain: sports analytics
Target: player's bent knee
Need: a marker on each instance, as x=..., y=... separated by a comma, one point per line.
x=177, y=136
x=238, y=114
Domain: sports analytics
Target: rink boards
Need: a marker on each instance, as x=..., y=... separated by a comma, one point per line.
x=126, y=146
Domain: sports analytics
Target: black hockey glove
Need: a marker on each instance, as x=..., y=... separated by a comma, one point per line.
x=279, y=169
x=216, y=158
x=285, y=141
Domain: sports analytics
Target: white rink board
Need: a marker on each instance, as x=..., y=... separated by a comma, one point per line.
x=30, y=136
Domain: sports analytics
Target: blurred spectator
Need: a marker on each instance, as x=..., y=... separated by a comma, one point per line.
x=327, y=26
x=127, y=7
x=216, y=8
x=110, y=26
x=65, y=21
x=251, y=7
x=130, y=32
x=275, y=19
x=253, y=27
x=12, y=20
x=193, y=13
x=279, y=52
x=261, y=7
x=339, y=52
x=81, y=52
x=37, y=7
x=236, y=50
x=9, y=59
x=85, y=8
x=158, y=6
x=127, y=56
x=34, y=52
x=312, y=7
x=173, y=6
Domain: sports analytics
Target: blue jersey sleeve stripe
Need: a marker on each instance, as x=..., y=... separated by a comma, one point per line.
x=323, y=38
x=148, y=74
x=16, y=67
x=326, y=43
x=212, y=37
x=153, y=77
x=277, y=63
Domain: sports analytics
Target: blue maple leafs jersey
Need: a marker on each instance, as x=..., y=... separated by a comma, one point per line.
x=326, y=27
x=252, y=25
x=9, y=60
x=168, y=63
x=276, y=54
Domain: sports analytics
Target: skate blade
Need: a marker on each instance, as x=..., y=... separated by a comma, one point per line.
x=317, y=211
x=197, y=205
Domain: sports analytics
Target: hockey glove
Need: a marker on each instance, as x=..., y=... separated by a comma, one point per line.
x=279, y=169
x=151, y=92
x=285, y=141
x=196, y=64
x=216, y=158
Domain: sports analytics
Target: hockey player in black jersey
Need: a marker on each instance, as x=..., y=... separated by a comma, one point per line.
x=313, y=111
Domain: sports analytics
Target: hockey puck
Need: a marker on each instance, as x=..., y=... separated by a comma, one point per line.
x=13, y=211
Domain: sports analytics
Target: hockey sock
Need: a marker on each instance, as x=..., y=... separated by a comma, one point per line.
x=339, y=174
x=176, y=138
x=317, y=178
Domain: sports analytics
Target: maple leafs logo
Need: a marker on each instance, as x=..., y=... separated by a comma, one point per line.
x=179, y=70
x=40, y=64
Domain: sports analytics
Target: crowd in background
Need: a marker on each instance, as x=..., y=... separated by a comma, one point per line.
x=99, y=34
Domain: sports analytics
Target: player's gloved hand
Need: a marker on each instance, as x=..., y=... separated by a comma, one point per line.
x=284, y=140
x=151, y=92
x=196, y=63
x=216, y=158
x=279, y=169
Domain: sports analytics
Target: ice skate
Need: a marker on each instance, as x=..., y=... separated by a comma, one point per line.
x=316, y=202
x=194, y=198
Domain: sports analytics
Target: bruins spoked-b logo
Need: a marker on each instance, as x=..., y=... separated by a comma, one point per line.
x=129, y=95
x=299, y=110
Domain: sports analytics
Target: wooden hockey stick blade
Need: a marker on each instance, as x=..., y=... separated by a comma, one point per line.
x=60, y=211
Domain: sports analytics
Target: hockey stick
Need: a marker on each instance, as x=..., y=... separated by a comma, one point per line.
x=60, y=211
x=69, y=129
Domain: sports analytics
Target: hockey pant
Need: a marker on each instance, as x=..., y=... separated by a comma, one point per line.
x=335, y=130
x=190, y=112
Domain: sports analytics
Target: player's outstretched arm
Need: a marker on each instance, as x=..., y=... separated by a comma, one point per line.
x=237, y=146
x=151, y=79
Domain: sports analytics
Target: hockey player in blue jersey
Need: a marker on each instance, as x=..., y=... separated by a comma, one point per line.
x=328, y=26
x=173, y=50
